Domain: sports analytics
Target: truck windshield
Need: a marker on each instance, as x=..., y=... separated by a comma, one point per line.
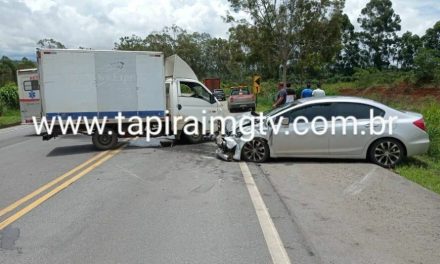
x=192, y=89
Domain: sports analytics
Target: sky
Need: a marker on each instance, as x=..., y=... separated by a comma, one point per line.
x=98, y=24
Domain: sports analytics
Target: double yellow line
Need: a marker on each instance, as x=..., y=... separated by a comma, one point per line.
x=78, y=173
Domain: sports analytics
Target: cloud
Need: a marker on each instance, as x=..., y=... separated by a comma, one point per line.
x=98, y=24
x=416, y=16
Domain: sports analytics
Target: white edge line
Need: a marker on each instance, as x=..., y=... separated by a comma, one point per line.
x=274, y=244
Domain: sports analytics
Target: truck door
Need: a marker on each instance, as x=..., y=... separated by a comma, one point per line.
x=29, y=95
x=195, y=100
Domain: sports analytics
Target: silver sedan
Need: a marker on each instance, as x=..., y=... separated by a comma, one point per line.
x=329, y=127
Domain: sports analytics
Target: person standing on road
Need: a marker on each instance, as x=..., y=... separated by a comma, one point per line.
x=281, y=96
x=307, y=92
x=318, y=92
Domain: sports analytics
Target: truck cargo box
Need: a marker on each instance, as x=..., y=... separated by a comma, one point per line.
x=96, y=83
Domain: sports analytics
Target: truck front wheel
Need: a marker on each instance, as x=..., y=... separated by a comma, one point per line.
x=193, y=137
x=106, y=141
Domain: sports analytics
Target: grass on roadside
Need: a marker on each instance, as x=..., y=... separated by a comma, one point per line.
x=422, y=170
x=9, y=118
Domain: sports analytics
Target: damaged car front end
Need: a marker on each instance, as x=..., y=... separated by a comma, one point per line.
x=244, y=142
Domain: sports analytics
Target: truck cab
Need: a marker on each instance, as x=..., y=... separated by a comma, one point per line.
x=187, y=97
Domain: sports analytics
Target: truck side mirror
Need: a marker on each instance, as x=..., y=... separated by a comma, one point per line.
x=211, y=98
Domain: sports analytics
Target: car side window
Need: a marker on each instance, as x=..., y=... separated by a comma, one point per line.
x=359, y=111
x=310, y=112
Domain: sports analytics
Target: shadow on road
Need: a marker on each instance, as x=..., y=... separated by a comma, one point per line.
x=72, y=150
x=313, y=161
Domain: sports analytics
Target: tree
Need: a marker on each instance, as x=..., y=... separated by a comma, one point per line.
x=380, y=25
x=427, y=64
x=350, y=57
x=8, y=71
x=431, y=40
x=50, y=44
x=292, y=31
x=408, y=46
x=25, y=63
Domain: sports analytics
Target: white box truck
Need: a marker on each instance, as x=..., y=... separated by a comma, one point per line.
x=102, y=84
x=29, y=95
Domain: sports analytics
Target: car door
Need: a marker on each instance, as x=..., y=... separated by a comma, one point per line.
x=194, y=100
x=288, y=143
x=357, y=134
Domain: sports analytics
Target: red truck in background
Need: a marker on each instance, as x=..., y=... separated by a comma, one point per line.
x=212, y=83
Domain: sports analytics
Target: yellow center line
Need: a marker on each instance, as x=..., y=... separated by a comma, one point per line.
x=59, y=188
x=49, y=185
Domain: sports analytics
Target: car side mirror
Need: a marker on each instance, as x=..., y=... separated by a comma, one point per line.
x=285, y=121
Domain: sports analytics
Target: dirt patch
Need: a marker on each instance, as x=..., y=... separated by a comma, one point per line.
x=401, y=91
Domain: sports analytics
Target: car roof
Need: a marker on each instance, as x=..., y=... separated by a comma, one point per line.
x=346, y=99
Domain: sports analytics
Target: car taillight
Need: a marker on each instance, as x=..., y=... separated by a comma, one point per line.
x=420, y=124
x=232, y=99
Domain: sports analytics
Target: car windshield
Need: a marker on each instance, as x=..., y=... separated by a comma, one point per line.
x=282, y=108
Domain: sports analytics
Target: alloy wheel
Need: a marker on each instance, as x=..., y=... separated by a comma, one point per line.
x=387, y=153
x=255, y=151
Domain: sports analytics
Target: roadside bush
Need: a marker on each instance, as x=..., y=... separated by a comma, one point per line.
x=372, y=77
x=9, y=96
x=431, y=113
x=2, y=108
x=427, y=65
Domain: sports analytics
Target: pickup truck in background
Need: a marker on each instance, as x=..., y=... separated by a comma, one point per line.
x=241, y=99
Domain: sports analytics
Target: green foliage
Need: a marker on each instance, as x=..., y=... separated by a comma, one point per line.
x=8, y=71
x=431, y=40
x=207, y=56
x=427, y=64
x=409, y=45
x=9, y=96
x=9, y=118
x=380, y=25
x=302, y=35
x=372, y=77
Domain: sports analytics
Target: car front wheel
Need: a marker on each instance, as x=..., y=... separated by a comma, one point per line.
x=255, y=150
x=387, y=152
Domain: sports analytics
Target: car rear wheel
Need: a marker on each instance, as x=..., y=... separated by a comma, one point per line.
x=105, y=141
x=387, y=152
x=255, y=150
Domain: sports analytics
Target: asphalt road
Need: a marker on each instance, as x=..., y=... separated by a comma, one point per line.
x=144, y=203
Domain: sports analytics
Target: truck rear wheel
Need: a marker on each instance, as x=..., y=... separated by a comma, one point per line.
x=106, y=141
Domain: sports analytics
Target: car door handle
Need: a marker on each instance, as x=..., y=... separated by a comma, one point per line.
x=319, y=129
x=368, y=126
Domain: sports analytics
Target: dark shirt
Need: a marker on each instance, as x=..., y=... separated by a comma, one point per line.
x=282, y=94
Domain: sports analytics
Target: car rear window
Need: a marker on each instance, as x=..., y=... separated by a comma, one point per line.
x=358, y=110
x=238, y=91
